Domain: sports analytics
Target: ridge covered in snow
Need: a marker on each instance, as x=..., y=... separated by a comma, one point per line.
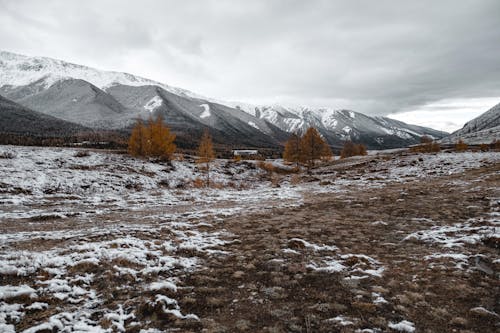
x=20, y=70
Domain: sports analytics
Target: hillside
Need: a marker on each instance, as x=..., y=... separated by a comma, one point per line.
x=482, y=129
x=19, y=120
x=113, y=100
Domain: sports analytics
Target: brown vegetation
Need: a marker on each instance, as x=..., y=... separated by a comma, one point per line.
x=206, y=154
x=427, y=145
x=152, y=139
x=306, y=149
x=351, y=149
x=461, y=146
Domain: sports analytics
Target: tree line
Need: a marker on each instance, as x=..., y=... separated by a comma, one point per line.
x=152, y=138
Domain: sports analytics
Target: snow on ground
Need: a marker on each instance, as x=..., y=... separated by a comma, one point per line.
x=114, y=234
x=457, y=238
x=90, y=216
x=354, y=266
x=44, y=183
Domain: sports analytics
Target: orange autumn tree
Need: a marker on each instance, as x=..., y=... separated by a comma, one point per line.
x=292, y=150
x=461, y=146
x=313, y=147
x=206, y=154
x=137, y=140
x=351, y=149
x=152, y=139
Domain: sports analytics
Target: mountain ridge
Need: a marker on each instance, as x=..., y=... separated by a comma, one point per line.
x=485, y=128
x=114, y=100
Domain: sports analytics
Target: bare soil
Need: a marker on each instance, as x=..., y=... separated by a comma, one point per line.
x=258, y=287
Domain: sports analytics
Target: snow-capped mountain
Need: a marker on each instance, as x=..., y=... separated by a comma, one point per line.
x=341, y=125
x=482, y=129
x=113, y=100
x=20, y=70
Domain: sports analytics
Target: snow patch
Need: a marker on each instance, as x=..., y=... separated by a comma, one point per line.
x=403, y=326
x=206, y=111
x=153, y=103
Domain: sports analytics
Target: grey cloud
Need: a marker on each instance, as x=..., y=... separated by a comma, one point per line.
x=378, y=57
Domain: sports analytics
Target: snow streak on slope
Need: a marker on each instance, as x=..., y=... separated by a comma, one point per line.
x=154, y=103
x=206, y=111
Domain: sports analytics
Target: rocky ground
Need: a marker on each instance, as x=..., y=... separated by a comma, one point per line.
x=385, y=243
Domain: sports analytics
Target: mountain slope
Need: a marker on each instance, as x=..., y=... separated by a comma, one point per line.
x=112, y=100
x=482, y=129
x=72, y=100
x=341, y=125
x=17, y=119
x=190, y=115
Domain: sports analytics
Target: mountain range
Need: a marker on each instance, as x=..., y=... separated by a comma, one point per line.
x=83, y=96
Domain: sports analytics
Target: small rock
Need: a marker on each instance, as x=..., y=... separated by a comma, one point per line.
x=238, y=274
x=243, y=325
x=459, y=321
x=339, y=308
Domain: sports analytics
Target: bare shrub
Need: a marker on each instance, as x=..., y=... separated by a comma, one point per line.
x=198, y=182
x=82, y=153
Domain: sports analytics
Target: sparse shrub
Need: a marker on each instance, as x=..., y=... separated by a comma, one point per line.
x=269, y=167
x=7, y=155
x=198, y=182
x=275, y=180
x=461, y=146
x=425, y=139
x=495, y=145
x=484, y=147
x=295, y=179
x=426, y=146
x=351, y=149
x=82, y=153
x=435, y=147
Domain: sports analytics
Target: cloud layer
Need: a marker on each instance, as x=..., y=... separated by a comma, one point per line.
x=377, y=57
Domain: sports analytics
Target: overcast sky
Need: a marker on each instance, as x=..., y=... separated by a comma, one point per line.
x=435, y=63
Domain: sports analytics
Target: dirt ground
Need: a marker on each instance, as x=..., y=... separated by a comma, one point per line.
x=251, y=290
x=279, y=268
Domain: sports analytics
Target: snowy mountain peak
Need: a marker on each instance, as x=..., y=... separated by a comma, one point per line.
x=21, y=70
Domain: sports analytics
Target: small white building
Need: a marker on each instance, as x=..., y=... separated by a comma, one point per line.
x=245, y=152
